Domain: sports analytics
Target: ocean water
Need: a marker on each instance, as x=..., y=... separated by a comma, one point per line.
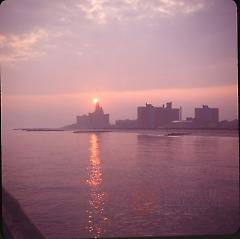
x=124, y=184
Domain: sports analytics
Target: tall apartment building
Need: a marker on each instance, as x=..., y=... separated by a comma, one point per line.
x=206, y=115
x=151, y=117
x=146, y=116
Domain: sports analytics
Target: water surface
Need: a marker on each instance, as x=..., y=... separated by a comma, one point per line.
x=121, y=184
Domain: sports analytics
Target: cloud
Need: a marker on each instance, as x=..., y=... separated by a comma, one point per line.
x=102, y=11
x=61, y=17
x=193, y=8
x=22, y=47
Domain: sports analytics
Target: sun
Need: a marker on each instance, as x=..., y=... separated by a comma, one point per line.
x=95, y=100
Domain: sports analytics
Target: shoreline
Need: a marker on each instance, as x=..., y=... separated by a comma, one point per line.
x=166, y=131
x=125, y=129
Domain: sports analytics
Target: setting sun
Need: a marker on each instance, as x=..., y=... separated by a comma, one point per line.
x=95, y=100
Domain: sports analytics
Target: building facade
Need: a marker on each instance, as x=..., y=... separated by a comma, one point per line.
x=146, y=116
x=206, y=115
x=150, y=117
x=126, y=124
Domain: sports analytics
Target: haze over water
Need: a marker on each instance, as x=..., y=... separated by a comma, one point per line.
x=56, y=56
x=120, y=184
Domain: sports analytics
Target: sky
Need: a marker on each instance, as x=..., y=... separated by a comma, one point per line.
x=57, y=55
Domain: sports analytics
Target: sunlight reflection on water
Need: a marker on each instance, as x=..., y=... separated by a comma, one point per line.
x=96, y=222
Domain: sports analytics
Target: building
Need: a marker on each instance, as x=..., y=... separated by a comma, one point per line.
x=94, y=120
x=126, y=124
x=151, y=117
x=146, y=116
x=206, y=115
x=225, y=124
x=165, y=115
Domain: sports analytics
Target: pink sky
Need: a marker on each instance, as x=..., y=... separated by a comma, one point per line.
x=57, y=55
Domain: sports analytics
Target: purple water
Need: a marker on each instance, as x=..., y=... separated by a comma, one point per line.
x=120, y=184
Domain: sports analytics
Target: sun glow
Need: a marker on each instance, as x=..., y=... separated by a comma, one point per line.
x=95, y=100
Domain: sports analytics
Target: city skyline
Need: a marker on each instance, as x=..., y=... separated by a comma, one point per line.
x=153, y=117
x=56, y=56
